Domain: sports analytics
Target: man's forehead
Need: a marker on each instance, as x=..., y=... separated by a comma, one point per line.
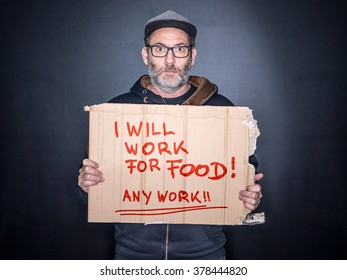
x=169, y=34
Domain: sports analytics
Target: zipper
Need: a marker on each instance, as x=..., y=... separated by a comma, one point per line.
x=167, y=243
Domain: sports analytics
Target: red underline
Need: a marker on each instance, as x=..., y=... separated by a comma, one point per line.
x=183, y=209
x=158, y=209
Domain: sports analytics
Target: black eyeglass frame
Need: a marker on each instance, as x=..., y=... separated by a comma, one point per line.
x=170, y=48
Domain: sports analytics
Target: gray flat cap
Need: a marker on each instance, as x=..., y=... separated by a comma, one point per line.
x=170, y=19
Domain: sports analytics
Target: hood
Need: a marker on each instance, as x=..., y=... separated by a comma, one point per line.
x=204, y=91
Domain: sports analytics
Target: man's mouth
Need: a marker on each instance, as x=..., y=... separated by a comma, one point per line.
x=170, y=70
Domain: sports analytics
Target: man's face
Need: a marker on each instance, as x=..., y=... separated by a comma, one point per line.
x=169, y=73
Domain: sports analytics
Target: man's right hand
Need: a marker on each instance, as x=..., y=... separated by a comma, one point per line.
x=89, y=175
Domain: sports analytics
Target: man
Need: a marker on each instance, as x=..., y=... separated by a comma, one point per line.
x=169, y=53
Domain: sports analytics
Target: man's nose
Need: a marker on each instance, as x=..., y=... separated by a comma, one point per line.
x=170, y=58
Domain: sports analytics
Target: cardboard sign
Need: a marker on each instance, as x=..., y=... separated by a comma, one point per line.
x=170, y=164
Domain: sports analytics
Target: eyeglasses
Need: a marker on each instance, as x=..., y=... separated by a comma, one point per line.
x=162, y=51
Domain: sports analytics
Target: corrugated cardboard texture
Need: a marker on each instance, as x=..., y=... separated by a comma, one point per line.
x=170, y=164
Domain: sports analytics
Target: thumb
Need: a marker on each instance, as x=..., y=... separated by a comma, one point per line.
x=258, y=176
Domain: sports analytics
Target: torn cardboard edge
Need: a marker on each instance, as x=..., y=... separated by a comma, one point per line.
x=254, y=219
x=104, y=118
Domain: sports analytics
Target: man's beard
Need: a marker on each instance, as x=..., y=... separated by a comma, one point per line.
x=169, y=84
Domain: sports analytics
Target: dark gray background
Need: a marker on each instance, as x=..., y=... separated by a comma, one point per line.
x=284, y=59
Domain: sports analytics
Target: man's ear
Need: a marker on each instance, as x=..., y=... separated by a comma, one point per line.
x=145, y=55
x=193, y=55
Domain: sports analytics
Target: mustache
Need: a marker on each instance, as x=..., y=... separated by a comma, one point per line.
x=169, y=68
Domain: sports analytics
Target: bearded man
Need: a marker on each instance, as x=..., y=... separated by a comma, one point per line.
x=169, y=52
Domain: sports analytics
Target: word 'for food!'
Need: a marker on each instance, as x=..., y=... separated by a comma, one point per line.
x=213, y=171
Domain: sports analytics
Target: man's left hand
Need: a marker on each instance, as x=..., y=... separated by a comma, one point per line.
x=252, y=195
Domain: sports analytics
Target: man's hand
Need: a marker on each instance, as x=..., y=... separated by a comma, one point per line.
x=89, y=175
x=252, y=195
